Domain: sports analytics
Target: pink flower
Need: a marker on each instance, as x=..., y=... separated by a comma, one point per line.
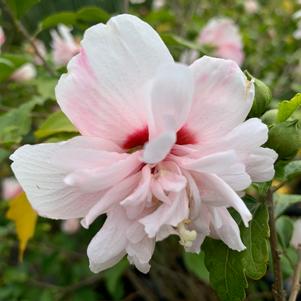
x=2, y=36
x=10, y=188
x=163, y=150
x=64, y=45
x=24, y=73
x=224, y=35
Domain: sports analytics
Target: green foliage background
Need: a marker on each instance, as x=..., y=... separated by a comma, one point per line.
x=55, y=265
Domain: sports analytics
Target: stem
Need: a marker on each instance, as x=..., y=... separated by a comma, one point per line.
x=141, y=288
x=296, y=279
x=20, y=28
x=126, y=6
x=278, y=291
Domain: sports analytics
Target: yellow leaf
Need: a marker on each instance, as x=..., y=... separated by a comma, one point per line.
x=25, y=219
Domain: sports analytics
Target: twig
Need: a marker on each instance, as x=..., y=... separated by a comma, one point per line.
x=142, y=289
x=296, y=278
x=260, y=295
x=277, y=187
x=278, y=291
x=20, y=28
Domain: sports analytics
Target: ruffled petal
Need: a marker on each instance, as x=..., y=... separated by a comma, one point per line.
x=108, y=246
x=43, y=182
x=167, y=214
x=224, y=227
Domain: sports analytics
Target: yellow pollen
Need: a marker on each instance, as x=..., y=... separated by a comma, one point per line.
x=187, y=236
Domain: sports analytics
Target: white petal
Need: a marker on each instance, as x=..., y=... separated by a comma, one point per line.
x=101, y=94
x=158, y=148
x=44, y=184
x=222, y=100
x=167, y=214
x=215, y=192
x=108, y=245
x=226, y=165
x=171, y=98
x=225, y=228
x=114, y=195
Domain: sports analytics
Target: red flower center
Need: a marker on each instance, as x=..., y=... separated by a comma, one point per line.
x=140, y=137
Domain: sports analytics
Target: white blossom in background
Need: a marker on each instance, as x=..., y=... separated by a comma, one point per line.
x=64, y=45
x=70, y=226
x=2, y=37
x=158, y=4
x=297, y=32
x=251, y=6
x=137, y=1
x=164, y=148
x=10, y=188
x=24, y=73
x=296, y=238
x=223, y=34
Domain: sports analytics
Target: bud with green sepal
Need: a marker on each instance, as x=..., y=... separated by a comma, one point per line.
x=262, y=99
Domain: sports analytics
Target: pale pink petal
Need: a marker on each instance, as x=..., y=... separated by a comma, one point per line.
x=43, y=183
x=141, y=192
x=224, y=227
x=158, y=148
x=215, y=192
x=100, y=178
x=201, y=224
x=140, y=253
x=171, y=97
x=233, y=172
x=167, y=214
x=105, y=99
x=108, y=246
x=260, y=164
x=112, y=197
x=222, y=100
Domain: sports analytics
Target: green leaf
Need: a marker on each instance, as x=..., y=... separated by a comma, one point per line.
x=226, y=270
x=173, y=40
x=113, y=279
x=284, y=227
x=255, y=258
x=3, y=154
x=68, y=18
x=20, y=7
x=92, y=14
x=56, y=123
x=283, y=201
x=287, y=107
x=292, y=169
x=9, y=63
x=16, y=123
x=195, y=263
x=88, y=15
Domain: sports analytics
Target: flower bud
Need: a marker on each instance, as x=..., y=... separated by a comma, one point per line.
x=263, y=97
x=270, y=117
x=285, y=138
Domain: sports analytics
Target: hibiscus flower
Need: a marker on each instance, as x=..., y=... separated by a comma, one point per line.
x=164, y=148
